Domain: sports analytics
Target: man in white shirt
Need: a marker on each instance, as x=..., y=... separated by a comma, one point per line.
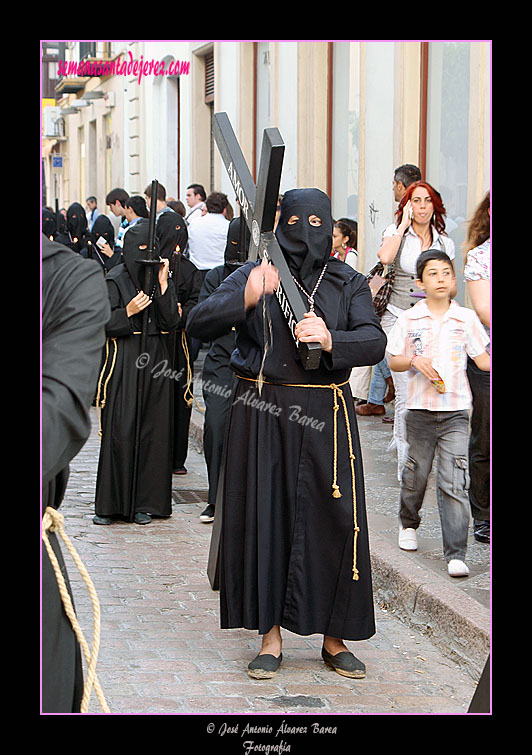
x=207, y=237
x=195, y=199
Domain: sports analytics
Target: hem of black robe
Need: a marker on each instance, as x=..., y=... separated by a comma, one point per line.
x=350, y=634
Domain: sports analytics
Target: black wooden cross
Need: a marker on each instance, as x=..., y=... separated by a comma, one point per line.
x=258, y=206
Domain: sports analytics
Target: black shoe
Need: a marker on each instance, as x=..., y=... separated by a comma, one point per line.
x=101, y=519
x=207, y=515
x=264, y=666
x=345, y=663
x=481, y=531
x=180, y=470
x=141, y=518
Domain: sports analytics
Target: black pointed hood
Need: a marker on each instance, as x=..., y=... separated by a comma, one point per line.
x=172, y=234
x=306, y=247
x=76, y=221
x=103, y=227
x=134, y=238
x=236, y=254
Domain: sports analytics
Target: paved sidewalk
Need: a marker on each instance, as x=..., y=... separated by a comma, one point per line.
x=162, y=651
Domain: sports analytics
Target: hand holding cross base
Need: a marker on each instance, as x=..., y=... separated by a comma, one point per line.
x=314, y=330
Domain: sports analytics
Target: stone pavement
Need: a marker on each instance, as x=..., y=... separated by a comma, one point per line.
x=162, y=651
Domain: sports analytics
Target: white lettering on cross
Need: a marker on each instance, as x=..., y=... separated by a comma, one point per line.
x=239, y=191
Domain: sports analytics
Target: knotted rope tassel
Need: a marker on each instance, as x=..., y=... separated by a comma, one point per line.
x=53, y=522
x=188, y=395
x=101, y=397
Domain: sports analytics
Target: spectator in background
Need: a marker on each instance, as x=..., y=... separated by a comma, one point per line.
x=381, y=388
x=177, y=206
x=420, y=226
x=343, y=244
x=162, y=205
x=92, y=211
x=135, y=210
x=116, y=199
x=403, y=176
x=477, y=278
x=207, y=236
x=195, y=199
x=430, y=343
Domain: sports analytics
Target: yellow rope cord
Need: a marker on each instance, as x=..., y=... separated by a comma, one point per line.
x=337, y=391
x=191, y=399
x=100, y=404
x=53, y=521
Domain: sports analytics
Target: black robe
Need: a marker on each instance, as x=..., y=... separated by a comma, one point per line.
x=286, y=550
x=172, y=235
x=217, y=385
x=114, y=483
x=75, y=308
x=187, y=279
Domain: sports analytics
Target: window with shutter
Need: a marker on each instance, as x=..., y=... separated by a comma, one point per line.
x=209, y=78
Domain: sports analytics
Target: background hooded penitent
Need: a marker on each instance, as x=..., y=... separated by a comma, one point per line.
x=306, y=247
x=236, y=253
x=103, y=227
x=49, y=223
x=76, y=221
x=171, y=233
x=134, y=238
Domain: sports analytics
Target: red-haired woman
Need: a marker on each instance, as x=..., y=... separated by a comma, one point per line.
x=420, y=226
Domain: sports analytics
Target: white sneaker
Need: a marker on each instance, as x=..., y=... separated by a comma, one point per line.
x=457, y=568
x=408, y=539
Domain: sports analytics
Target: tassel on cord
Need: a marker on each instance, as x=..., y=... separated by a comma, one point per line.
x=188, y=396
x=336, y=489
x=100, y=403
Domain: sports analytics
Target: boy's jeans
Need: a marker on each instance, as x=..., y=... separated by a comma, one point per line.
x=377, y=389
x=446, y=433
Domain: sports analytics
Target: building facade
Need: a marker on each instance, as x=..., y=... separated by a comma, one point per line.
x=349, y=113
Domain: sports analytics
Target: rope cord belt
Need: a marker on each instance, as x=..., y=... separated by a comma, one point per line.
x=188, y=394
x=53, y=521
x=337, y=393
x=101, y=398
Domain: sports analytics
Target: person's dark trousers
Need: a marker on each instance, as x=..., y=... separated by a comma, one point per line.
x=445, y=433
x=479, y=443
x=195, y=343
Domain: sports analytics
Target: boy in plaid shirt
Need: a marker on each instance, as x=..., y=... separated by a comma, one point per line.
x=432, y=340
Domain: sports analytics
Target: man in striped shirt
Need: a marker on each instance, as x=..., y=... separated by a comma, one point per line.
x=432, y=341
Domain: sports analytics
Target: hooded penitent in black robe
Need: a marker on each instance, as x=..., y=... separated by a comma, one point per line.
x=77, y=227
x=102, y=228
x=117, y=389
x=217, y=376
x=287, y=546
x=172, y=235
x=49, y=224
x=75, y=308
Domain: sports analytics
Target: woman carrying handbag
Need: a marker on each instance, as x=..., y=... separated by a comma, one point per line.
x=420, y=226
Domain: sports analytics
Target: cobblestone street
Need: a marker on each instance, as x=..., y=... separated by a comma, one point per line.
x=162, y=651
